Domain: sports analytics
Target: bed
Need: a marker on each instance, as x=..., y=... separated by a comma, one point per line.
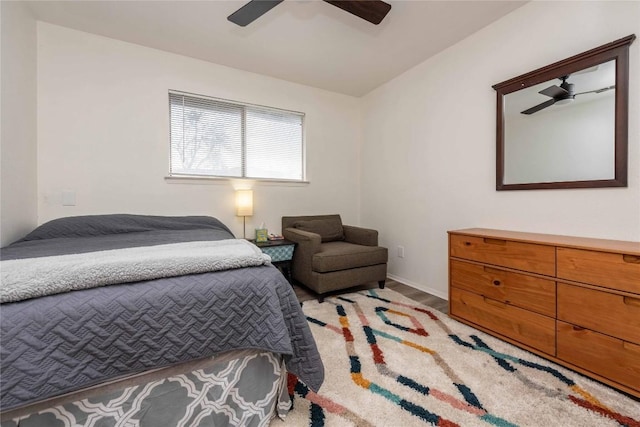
x=146, y=302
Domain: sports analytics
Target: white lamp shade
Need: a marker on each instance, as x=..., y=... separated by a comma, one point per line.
x=244, y=202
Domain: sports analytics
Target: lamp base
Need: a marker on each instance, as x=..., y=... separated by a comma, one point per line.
x=244, y=227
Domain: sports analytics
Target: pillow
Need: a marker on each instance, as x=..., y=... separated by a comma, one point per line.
x=329, y=230
x=102, y=225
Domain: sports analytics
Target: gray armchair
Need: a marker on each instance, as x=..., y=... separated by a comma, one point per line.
x=330, y=256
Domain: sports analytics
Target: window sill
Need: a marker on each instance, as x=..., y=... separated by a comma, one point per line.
x=213, y=180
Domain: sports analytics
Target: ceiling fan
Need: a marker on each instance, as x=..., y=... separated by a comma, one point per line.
x=373, y=11
x=560, y=95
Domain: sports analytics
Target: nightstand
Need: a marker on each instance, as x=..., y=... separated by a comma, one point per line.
x=281, y=253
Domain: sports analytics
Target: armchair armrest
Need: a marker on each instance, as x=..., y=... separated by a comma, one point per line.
x=360, y=236
x=307, y=242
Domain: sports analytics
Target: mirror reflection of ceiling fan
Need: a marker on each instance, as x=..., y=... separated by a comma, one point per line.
x=373, y=11
x=560, y=95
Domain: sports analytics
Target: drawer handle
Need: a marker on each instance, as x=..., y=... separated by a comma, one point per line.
x=467, y=243
x=635, y=302
x=631, y=259
x=497, y=282
x=577, y=328
x=494, y=241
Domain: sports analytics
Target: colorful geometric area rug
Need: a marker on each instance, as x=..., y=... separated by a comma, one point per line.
x=390, y=361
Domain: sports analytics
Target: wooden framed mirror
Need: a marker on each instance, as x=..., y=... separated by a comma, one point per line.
x=566, y=125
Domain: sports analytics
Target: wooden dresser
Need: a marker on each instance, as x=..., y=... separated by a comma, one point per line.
x=575, y=301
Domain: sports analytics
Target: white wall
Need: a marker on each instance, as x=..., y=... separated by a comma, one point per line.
x=104, y=134
x=18, y=200
x=428, y=162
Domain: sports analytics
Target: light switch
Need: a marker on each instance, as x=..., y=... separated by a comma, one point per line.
x=68, y=198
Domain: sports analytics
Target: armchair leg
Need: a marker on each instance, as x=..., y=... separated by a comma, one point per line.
x=381, y=284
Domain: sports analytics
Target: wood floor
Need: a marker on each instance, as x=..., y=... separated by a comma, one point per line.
x=424, y=298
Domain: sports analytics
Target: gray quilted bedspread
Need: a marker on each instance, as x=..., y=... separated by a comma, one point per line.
x=59, y=343
x=56, y=344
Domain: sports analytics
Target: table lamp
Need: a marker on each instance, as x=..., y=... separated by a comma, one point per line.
x=244, y=207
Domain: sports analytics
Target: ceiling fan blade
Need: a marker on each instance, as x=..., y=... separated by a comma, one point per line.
x=373, y=11
x=252, y=11
x=539, y=107
x=604, y=89
x=554, y=91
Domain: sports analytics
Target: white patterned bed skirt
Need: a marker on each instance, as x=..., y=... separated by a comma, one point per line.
x=238, y=388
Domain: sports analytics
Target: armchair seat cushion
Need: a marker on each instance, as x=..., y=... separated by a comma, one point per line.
x=336, y=256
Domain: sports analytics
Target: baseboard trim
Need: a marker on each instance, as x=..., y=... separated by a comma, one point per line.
x=419, y=287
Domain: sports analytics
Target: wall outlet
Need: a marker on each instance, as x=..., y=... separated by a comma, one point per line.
x=400, y=251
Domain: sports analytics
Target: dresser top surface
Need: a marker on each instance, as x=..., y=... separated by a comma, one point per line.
x=604, y=245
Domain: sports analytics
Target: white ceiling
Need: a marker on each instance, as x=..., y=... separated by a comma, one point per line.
x=307, y=42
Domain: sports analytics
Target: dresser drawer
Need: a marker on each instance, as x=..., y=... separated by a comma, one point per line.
x=610, y=357
x=520, y=290
x=611, y=314
x=521, y=256
x=532, y=329
x=611, y=270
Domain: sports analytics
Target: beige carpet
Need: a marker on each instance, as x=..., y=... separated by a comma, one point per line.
x=391, y=362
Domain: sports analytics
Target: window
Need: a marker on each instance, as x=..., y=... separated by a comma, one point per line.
x=215, y=137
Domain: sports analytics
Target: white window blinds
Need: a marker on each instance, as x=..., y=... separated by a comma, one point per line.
x=213, y=137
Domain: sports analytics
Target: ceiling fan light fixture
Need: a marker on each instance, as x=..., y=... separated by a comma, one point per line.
x=564, y=101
